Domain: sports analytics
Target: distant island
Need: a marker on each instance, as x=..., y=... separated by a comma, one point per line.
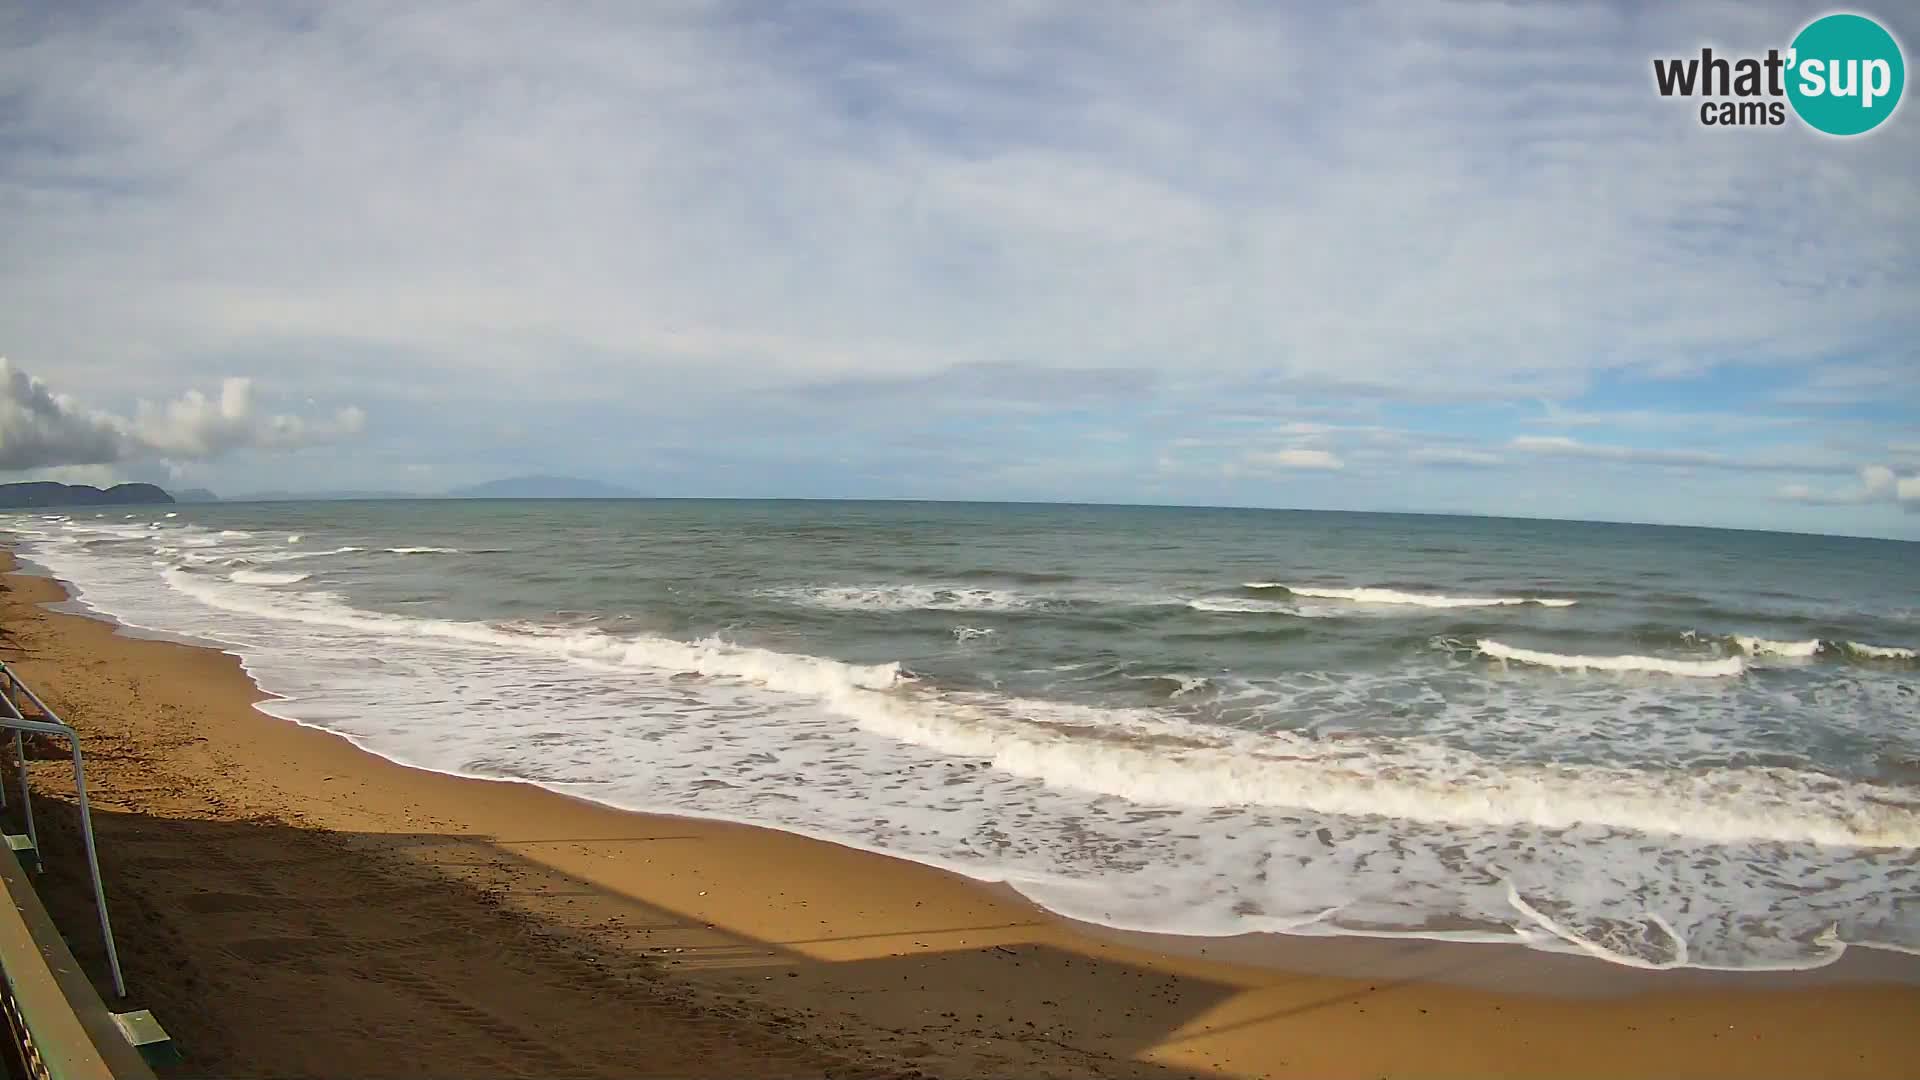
x=315, y=496
x=47, y=493
x=542, y=487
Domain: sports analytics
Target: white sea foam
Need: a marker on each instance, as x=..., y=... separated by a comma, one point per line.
x=1229, y=606
x=797, y=674
x=1704, y=669
x=907, y=598
x=1880, y=652
x=265, y=577
x=234, y=534
x=290, y=556
x=968, y=633
x=423, y=551
x=1138, y=818
x=1393, y=596
x=294, y=539
x=1183, y=684
x=1762, y=647
x=172, y=514
x=1124, y=752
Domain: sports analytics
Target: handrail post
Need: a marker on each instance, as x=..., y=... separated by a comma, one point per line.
x=53, y=725
x=26, y=794
x=6, y=693
x=93, y=867
x=12, y=709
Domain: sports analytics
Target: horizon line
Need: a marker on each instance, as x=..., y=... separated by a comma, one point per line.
x=295, y=497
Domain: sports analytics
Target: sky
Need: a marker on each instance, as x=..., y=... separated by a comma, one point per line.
x=1421, y=256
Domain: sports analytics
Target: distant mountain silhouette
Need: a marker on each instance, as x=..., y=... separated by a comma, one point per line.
x=321, y=496
x=48, y=493
x=542, y=487
x=516, y=487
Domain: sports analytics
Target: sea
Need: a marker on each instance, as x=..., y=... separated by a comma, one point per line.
x=1663, y=747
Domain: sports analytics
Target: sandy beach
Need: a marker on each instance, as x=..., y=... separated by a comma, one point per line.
x=289, y=905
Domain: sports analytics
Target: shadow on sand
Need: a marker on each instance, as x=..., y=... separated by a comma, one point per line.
x=273, y=950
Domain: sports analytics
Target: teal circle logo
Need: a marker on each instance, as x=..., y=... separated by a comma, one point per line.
x=1845, y=74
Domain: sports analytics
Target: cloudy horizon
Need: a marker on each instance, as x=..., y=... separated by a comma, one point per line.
x=1438, y=257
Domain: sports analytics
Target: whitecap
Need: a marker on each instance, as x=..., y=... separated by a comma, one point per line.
x=1880, y=652
x=1394, y=596
x=906, y=598
x=1228, y=606
x=1704, y=669
x=265, y=577
x=1756, y=646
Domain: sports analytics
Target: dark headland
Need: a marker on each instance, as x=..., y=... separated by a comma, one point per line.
x=48, y=493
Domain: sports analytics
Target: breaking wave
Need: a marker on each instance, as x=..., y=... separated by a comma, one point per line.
x=1125, y=752
x=1880, y=652
x=1394, y=596
x=907, y=598
x=266, y=577
x=1700, y=669
x=1227, y=606
x=1762, y=647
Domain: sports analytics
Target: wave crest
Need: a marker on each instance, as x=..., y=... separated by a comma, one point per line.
x=1218, y=605
x=266, y=577
x=1755, y=646
x=1394, y=596
x=907, y=598
x=1880, y=652
x=1148, y=756
x=1700, y=669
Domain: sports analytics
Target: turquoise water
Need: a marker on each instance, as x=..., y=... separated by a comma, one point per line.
x=1667, y=747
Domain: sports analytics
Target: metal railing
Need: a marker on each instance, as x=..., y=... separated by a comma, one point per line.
x=11, y=718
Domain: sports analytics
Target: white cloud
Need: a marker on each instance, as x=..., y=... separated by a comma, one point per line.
x=1878, y=484
x=195, y=426
x=602, y=230
x=643, y=188
x=1566, y=449
x=1662, y=420
x=1455, y=456
x=1295, y=459
x=100, y=476
x=1560, y=446
x=41, y=429
x=1550, y=444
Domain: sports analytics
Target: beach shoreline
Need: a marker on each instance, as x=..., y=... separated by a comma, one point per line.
x=882, y=963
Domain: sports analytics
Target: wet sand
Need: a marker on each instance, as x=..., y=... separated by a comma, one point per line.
x=289, y=905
